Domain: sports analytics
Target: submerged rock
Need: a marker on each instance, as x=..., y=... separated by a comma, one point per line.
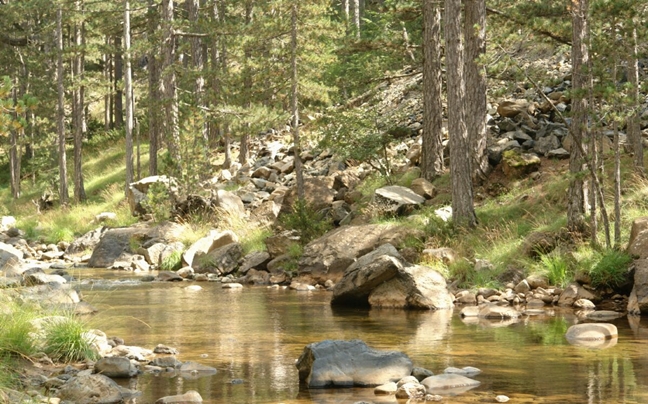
x=350, y=363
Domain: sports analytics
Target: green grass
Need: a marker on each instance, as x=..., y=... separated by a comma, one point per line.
x=611, y=270
x=65, y=342
x=172, y=262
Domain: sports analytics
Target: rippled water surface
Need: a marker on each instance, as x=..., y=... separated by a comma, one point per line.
x=256, y=334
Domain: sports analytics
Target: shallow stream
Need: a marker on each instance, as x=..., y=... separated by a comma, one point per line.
x=256, y=334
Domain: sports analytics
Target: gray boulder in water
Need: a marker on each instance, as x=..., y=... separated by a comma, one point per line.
x=340, y=363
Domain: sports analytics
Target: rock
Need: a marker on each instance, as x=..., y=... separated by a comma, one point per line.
x=638, y=301
x=163, y=349
x=207, y=244
x=257, y=260
x=7, y=222
x=386, y=389
x=319, y=194
x=502, y=398
x=511, y=108
x=166, y=362
x=411, y=390
x=168, y=276
x=591, y=332
x=559, y=153
x=196, y=369
x=222, y=261
x=466, y=371
x=185, y=272
x=329, y=256
x=350, y=363
x=39, y=278
x=414, y=287
x=113, y=243
x=277, y=244
x=105, y=216
x=87, y=242
x=421, y=373
x=9, y=256
x=495, y=312
x=449, y=384
x=584, y=304
x=153, y=253
x=232, y=285
x=470, y=311
x=93, y=389
x=603, y=315
x=115, y=367
x=395, y=198
x=424, y=188
x=189, y=397
x=518, y=165
x=574, y=292
x=638, y=243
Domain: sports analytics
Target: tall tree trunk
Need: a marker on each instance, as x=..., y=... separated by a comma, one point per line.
x=128, y=89
x=107, y=74
x=119, y=76
x=475, y=36
x=244, y=152
x=15, y=150
x=154, y=94
x=634, y=129
x=356, y=18
x=172, y=128
x=299, y=172
x=580, y=60
x=198, y=66
x=463, y=212
x=64, y=196
x=432, y=156
x=78, y=108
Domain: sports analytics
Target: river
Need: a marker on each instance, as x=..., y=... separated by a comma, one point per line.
x=255, y=335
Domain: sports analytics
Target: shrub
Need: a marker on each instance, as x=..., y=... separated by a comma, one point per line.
x=309, y=223
x=172, y=262
x=65, y=341
x=611, y=270
x=158, y=202
x=556, y=267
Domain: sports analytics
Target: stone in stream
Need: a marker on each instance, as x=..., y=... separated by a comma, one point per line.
x=189, y=397
x=88, y=388
x=449, y=384
x=342, y=363
x=115, y=367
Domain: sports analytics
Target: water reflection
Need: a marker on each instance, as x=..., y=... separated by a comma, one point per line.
x=256, y=334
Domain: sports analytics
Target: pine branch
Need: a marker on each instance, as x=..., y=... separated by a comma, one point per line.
x=525, y=24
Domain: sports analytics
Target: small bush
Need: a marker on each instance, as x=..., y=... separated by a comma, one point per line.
x=611, y=270
x=556, y=267
x=173, y=262
x=309, y=223
x=65, y=342
x=158, y=202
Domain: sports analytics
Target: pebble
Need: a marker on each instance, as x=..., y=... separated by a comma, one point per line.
x=501, y=398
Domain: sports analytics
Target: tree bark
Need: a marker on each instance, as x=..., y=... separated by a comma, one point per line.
x=64, y=196
x=119, y=75
x=154, y=116
x=580, y=60
x=15, y=151
x=128, y=89
x=475, y=36
x=299, y=172
x=198, y=65
x=432, y=149
x=463, y=213
x=107, y=74
x=78, y=109
x=171, y=128
x=356, y=18
x=634, y=129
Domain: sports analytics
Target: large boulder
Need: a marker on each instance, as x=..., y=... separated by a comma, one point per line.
x=213, y=240
x=339, y=363
x=591, y=332
x=87, y=242
x=230, y=203
x=223, y=260
x=115, y=367
x=318, y=193
x=638, y=244
x=10, y=257
x=638, y=301
x=394, y=198
x=575, y=291
x=93, y=389
x=116, y=242
x=330, y=255
x=382, y=278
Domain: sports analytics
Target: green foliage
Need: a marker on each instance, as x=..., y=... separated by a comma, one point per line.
x=307, y=221
x=158, y=202
x=172, y=262
x=15, y=330
x=255, y=240
x=611, y=270
x=65, y=341
x=464, y=272
x=557, y=267
x=294, y=253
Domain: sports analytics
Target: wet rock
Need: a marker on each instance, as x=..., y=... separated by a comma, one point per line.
x=466, y=371
x=166, y=362
x=448, y=384
x=411, y=391
x=39, y=278
x=574, y=292
x=257, y=260
x=386, y=389
x=350, y=363
x=207, y=244
x=115, y=367
x=93, y=389
x=168, y=276
x=495, y=312
x=591, y=331
x=164, y=349
x=189, y=397
x=421, y=373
